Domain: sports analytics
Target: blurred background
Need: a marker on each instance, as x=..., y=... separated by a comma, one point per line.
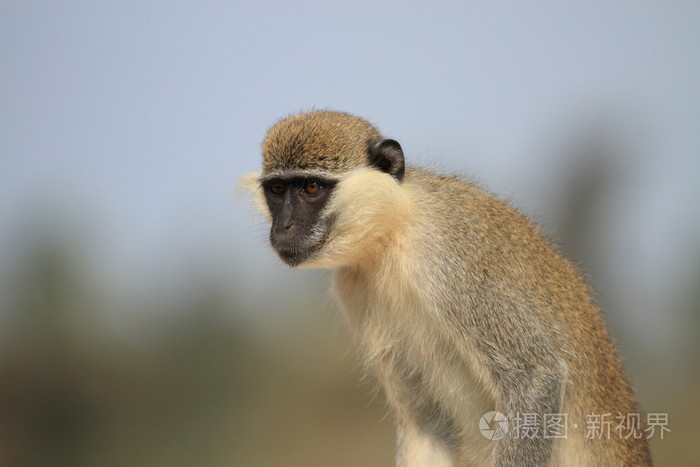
x=145, y=322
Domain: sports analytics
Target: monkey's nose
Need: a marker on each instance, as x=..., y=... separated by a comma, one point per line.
x=284, y=228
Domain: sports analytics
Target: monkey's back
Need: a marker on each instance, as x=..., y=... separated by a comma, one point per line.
x=533, y=301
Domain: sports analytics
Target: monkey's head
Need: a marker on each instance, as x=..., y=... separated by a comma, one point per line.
x=327, y=178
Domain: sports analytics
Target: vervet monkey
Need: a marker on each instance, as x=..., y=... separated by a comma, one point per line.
x=459, y=305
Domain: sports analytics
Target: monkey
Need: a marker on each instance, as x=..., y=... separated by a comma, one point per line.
x=459, y=305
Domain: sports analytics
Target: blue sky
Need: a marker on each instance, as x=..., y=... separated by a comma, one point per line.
x=132, y=121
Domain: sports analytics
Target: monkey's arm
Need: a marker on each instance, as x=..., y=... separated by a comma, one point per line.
x=529, y=379
x=528, y=394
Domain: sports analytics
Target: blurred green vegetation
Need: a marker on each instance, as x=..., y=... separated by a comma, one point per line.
x=185, y=384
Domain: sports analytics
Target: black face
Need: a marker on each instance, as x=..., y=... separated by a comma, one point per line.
x=295, y=205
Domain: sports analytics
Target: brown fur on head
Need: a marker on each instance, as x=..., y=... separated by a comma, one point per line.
x=323, y=141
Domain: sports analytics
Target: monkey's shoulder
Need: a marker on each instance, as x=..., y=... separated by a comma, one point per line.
x=458, y=200
x=473, y=226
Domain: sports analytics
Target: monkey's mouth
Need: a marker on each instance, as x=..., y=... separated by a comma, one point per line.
x=301, y=251
x=295, y=256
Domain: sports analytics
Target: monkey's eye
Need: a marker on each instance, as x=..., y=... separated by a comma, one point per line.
x=311, y=188
x=277, y=188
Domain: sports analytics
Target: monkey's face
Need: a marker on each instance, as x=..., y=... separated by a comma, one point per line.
x=310, y=185
x=296, y=203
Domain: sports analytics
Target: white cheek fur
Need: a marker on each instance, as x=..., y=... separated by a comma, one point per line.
x=250, y=183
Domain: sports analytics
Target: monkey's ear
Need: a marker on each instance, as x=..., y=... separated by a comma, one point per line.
x=387, y=156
